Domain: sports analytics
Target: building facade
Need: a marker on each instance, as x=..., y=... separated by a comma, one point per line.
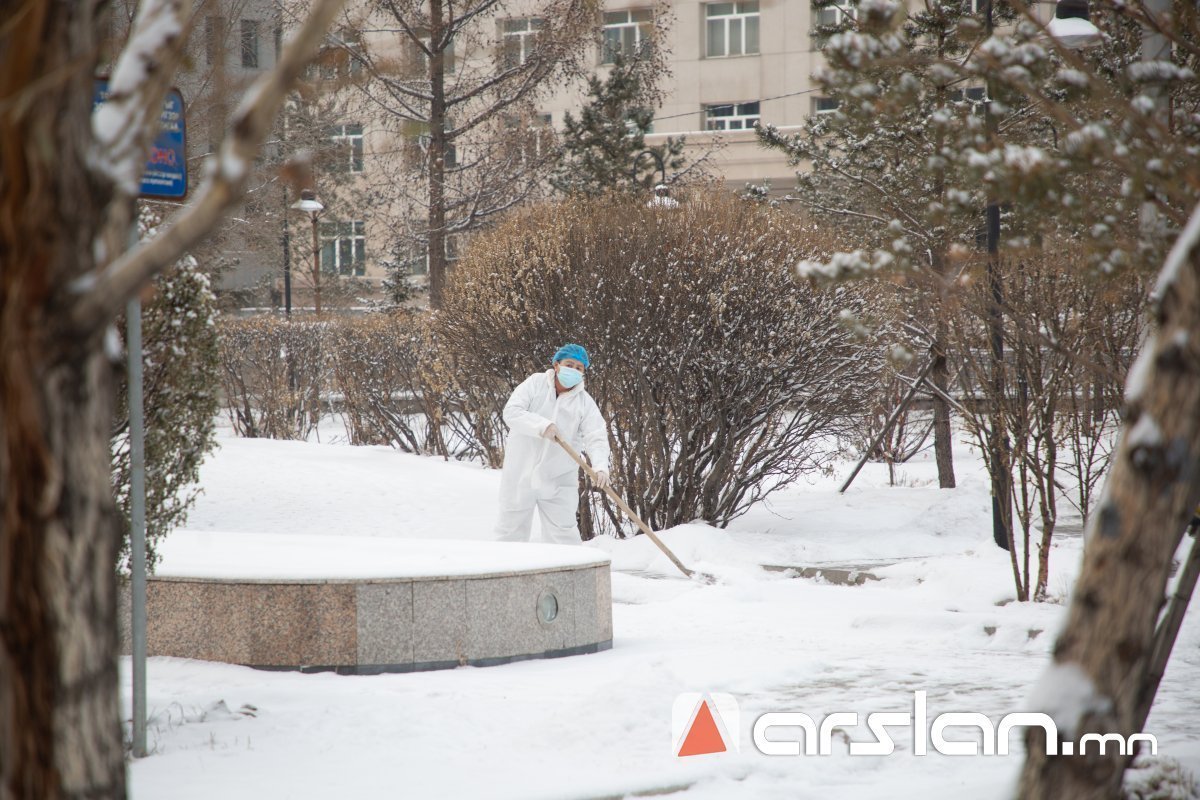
x=732, y=65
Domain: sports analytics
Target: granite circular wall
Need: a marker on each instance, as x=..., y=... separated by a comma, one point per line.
x=384, y=605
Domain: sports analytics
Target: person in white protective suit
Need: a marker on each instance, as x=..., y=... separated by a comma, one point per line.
x=538, y=473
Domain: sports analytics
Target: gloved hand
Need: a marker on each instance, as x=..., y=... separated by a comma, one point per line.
x=551, y=431
x=601, y=479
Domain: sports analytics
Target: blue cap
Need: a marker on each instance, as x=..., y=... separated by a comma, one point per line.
x=572, y=351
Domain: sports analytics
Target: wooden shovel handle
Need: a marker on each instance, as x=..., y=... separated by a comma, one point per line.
x=591, y=473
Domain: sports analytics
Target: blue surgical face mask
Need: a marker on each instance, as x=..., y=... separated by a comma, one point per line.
x=569, y=376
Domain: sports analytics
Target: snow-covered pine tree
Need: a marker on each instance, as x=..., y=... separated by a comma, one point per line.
x=398, y=286
x=878, y=149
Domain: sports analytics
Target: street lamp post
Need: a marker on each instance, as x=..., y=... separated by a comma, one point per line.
x=998, y=443
x=287, y=260
x=309, y=204
x=658, y=162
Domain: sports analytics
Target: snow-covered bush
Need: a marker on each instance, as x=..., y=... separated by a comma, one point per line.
x=719, y=372
x=1155, y=778
x=273, y=373
x=180, y=383
x=376, y=362
x=1069, y=340
x=396, y=386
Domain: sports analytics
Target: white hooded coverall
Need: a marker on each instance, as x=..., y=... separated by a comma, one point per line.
x=537, y=471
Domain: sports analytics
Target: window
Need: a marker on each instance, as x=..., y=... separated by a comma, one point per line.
x=624, y=33
x=352, y=50
x=348, y=148
x=825, y=105
x=250, y=44
x=214, y=40
x=518, y=37
x=343, y=247
x=418, y=258
x=731, y=116
x=452, y=247
x=732, y=28
x=420, y=134
x=835, y=15
x=974, y=94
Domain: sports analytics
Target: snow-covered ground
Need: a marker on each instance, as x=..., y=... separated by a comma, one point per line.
x=599, y=726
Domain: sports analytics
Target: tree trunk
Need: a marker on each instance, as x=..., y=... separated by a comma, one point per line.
x=59, y=704
x=939, y=375
x=943, y=437
x=1131, y=540
x=438, y=147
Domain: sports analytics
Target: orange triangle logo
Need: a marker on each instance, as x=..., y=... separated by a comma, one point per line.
x=704, y=736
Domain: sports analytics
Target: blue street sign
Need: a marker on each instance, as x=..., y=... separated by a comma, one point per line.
x=166, y=175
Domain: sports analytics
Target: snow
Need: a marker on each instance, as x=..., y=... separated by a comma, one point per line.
x=1180, y=255
x=1066, y=693
x=1159, y=72
x=1140, y=371
x=941, y=620
x=286, y=557
x=1145, y=433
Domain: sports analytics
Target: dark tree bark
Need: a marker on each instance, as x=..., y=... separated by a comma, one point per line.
x=59, y=722
x=64, y=277
x=943, y=438
x=438, y=150
x=1132, y=538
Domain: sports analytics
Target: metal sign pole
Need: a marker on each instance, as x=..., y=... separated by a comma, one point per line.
x=137, y=533
x=165, y=177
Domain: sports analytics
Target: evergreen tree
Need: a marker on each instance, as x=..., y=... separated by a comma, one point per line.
x=880, y=161
x=398, y=287
x=603, y=148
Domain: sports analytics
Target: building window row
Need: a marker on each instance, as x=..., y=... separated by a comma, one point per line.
x=731, y=116
x=625, y=33
x=731, y=29
x=518, y=38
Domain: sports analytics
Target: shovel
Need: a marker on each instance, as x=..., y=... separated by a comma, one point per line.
x=608, y=490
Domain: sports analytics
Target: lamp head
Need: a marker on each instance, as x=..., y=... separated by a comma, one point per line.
x=308, y=203
x=1072, y=26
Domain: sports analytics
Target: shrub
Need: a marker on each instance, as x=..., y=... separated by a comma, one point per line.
x=719, y=373
x=180, y=380
x=273, y=372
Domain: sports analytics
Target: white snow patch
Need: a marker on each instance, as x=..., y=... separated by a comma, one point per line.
x=282, y=557
x=1145, y=433
x=1180, y=254
x=1066, y=693
x=599, y=725
x=1139, y=372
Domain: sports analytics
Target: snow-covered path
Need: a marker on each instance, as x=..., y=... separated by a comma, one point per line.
x=600, y=725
